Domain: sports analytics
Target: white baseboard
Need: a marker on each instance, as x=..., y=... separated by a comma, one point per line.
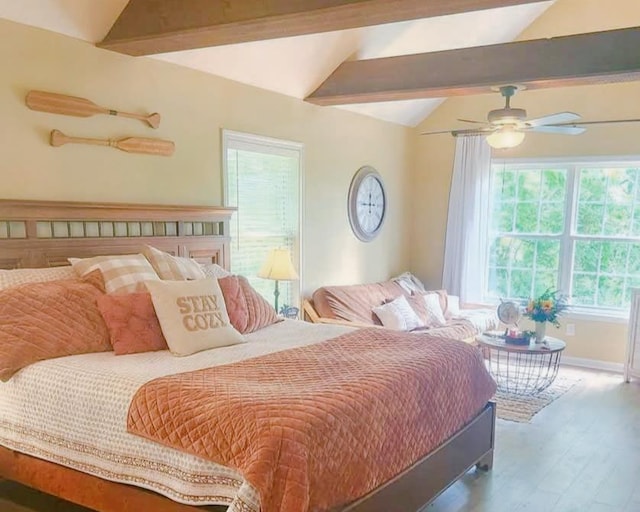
x=593, y=364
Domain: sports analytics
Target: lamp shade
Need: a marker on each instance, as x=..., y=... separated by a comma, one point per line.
x=505, y=137
x=278, y=266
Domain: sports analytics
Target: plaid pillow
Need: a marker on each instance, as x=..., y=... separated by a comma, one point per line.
x=122, y=274
x=173, y=268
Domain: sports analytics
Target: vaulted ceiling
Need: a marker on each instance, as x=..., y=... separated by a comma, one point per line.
x=342, y=52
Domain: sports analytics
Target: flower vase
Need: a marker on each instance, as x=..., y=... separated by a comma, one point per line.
x=541, y=329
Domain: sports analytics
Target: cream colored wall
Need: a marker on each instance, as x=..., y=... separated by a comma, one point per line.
x=194, y=107
x=598, y=340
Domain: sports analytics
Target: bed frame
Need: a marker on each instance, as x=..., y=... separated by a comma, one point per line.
x=43, y=234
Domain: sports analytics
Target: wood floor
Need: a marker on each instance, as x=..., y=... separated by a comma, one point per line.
x=579, y=454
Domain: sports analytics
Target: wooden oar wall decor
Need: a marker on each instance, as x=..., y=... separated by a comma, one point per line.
x=55, y=103
x=129, y=144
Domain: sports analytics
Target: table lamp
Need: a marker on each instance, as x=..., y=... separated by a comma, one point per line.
x=278, y=267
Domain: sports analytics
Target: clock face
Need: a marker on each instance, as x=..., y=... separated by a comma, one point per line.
x=367, y=203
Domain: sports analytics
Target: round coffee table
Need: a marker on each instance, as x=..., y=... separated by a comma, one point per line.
x=521, y=369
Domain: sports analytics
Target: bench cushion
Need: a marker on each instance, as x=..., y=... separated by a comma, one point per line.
x=354, y=303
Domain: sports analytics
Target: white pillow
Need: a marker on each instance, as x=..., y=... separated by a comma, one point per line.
x=398, y=315
x=214, y=270
x=435, y=316
x=192, y=315
x=453, y=305
x=409, y=282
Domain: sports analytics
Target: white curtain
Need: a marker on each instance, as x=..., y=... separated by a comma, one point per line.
x=465, y=253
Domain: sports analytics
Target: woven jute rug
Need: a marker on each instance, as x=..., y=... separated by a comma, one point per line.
x=522, y=408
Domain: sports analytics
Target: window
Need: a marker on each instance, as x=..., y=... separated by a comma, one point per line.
x=262, y=179
x=572, y=226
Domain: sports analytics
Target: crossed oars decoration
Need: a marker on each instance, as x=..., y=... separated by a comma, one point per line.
x=55, y=103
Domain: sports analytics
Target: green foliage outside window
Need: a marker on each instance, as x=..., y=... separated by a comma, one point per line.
x=530, y=233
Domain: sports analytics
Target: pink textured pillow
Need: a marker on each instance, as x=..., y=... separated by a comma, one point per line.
x=248, y=310
x=94, y=278
x=47, y=320
x=261, y=313
x=132, y=323
x=236, y=303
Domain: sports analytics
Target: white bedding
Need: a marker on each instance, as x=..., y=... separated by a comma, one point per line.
x=482, y=319
x=73, y=411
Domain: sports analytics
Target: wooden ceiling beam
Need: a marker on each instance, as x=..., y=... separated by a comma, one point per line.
x=148, y=27
x=598, y=57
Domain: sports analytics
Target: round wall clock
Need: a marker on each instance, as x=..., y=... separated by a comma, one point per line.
x=367, y=203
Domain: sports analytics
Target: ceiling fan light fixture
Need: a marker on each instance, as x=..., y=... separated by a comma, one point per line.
x=507, y=115
x=505, y=138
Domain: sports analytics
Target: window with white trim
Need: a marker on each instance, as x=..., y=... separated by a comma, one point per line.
x=567, y=225
x=262, y=178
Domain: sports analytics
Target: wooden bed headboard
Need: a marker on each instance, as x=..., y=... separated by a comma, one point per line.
x=44, y=234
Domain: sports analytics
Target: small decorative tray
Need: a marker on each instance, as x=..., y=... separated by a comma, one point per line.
x=519, y=340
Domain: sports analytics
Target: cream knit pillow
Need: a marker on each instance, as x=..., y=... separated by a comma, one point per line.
x=192, y=315
x=11, y=278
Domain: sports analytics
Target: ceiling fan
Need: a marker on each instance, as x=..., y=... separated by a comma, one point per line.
x=506, y=127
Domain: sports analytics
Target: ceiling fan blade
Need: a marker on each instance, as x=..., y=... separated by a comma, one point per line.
x=472, y=131
x=564, y=130
x=560, y=117
x=609, y=121
x=472, y=121
x=437, y=132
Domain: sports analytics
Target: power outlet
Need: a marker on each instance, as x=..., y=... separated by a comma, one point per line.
x=571, y=330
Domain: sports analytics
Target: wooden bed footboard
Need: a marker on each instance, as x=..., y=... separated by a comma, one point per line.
x=414, y=488
x=423, y=482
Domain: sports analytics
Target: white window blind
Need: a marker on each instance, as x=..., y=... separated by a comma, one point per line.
x=262, y=179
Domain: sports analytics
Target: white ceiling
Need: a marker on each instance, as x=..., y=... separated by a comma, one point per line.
x=296, y=66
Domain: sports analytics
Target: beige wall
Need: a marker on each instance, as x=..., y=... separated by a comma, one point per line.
x=434, y=154
x=194, y=107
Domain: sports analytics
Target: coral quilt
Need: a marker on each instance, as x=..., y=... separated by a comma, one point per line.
x=316, y=427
